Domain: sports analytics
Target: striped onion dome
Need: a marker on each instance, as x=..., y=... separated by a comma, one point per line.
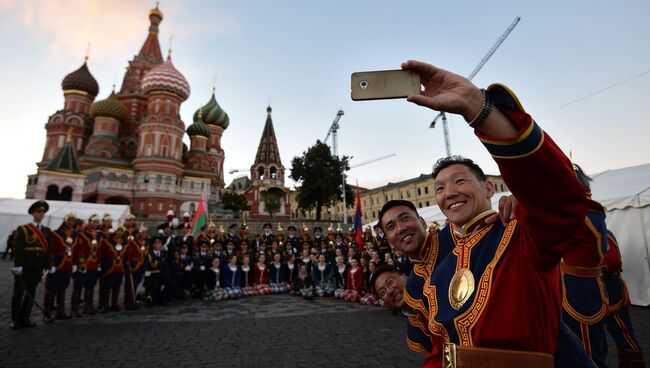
x=165, y=77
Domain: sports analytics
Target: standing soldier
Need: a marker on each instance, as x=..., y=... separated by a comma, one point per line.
x=32, y=259
x=381, y=242
x=293, y=240
x=107, y=225
x=232, y=235
x=133, y=259
x=268, y=235
x=113, y=259
x=62, y=243
x=89, y=258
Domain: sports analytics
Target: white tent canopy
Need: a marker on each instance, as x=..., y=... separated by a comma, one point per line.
x=13, y=212
x=625, y=193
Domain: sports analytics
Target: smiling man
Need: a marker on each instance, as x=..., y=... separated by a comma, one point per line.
x=469, y=288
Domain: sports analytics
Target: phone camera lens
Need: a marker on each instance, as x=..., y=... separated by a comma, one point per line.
x=363, y=84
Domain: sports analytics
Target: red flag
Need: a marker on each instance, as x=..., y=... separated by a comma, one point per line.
x=358, y=231
x=200, y=216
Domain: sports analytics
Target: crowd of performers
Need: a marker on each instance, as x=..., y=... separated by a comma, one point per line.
x=213, y=265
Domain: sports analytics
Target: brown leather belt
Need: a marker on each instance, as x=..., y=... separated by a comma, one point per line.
x=456, y=356
x=580, y=271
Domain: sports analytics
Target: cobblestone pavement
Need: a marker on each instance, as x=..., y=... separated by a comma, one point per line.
x=265, y=331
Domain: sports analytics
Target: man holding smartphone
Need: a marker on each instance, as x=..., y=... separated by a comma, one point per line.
x=498, y=287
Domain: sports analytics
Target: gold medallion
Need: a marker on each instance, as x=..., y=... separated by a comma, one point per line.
x=68, y=240
x=142, y=248
x=118, y=247
x=93, y=242
x=461, y=288
x=130, y=237
x=69, y=254
x=211, y=241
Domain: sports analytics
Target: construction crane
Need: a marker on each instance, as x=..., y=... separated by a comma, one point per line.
x=362, y=163
x=334, y=128
x=442, y=115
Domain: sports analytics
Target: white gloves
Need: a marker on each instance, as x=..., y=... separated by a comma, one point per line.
x=17, y=270
x=53, y=269
x=45, y=272
x=84, y=270
x=188, y=268
x=147, y=273
x=202, y=268
x=74, y=268
x=99, y=269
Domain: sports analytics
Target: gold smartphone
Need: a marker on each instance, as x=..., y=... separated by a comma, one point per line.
x=385, y=84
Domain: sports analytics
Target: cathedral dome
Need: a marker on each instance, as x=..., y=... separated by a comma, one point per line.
x=165, y=77
x=110, y=107
x=81, y=80
x=198, y=127
x=213, y=114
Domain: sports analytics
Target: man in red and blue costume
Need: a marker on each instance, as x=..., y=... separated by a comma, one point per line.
x=617, y=318
x=62, y=244
x=584, y=298
x=470, y=291
x=88, y=257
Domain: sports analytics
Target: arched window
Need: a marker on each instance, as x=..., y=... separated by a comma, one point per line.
x=260, y=172
x=158, y=179
x=274, y=173
x=52, y=192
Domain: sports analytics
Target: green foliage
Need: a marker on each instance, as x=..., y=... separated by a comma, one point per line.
x=271, y=201
x=234, y=202
x=317, y=174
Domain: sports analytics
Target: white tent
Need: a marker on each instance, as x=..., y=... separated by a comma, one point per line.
x=625, y=193
x=13, y=212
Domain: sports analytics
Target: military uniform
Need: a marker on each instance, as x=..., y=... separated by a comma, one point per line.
x=113, y=264
x=62, y=243
x=32, y=257
x=88, y=256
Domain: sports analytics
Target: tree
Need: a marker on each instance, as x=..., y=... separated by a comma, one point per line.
x=317, y=174
x=271, y=199
x=234, y=202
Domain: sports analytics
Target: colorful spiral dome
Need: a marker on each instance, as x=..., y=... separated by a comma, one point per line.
x=213, y=114
x=165, y=77
x=81, y=80
x=110, y=107
x=198, y=127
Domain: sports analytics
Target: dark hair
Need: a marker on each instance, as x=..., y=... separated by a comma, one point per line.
x=444, y=163
x=584, y=178
x=394, y=203
x=381, y=269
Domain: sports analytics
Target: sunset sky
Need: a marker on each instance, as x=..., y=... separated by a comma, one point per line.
x=581, y=68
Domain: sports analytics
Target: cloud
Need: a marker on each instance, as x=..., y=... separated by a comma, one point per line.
x=108, y=25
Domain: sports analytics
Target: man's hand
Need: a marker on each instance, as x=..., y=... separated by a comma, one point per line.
x=445, y=91
x=507, y=211
x=448, y=92
x=53, y=270
x=17, y=270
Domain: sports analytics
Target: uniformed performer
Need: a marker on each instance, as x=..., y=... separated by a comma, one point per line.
x=584, y=298
x=88, y=257
x=232, y=235
x=381, y=242
x=113, y=264
x=32, y=260
x=468, y=295
x=107, y=225
x=62, y=243
x=617, y=318
x=268, y=235
x=156, y=267
x=200, y=269
x=354, y=282
x=134, y=256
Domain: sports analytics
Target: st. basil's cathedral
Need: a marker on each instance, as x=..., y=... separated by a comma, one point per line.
x=128, y=148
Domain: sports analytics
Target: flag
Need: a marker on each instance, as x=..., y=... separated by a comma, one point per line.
x=200, y=217
x=358, y=231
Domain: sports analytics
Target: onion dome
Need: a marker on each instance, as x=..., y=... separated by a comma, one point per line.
x=198, y=127
x=156, y=12
x=110, y=107
x=213, y=114
x=165, y=77
x=81, y=80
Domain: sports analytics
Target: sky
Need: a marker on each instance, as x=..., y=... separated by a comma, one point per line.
x=580, y=68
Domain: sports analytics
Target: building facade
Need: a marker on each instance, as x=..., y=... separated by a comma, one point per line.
x=128, y=148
